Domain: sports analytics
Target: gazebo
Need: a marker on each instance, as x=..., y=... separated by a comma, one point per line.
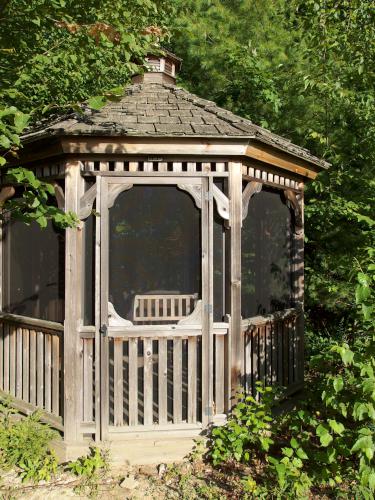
x=182, y=282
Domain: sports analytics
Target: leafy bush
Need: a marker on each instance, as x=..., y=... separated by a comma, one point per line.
x=90, y=468
x=24, y=444
x=247, y=431
x=328, y=440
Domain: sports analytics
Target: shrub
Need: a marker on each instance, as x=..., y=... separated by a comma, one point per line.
x=328, y=440
x=24, y=444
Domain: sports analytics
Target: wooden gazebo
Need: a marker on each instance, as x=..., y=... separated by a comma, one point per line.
x=182, y=282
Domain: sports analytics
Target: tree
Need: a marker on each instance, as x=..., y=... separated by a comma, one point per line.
x=57, y=53
x=304, y=69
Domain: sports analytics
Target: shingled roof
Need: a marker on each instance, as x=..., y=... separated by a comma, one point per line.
x=163, y=110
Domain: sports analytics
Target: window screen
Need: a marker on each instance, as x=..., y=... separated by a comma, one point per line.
x=33, y=270
x=266, y=255
x=154, y=245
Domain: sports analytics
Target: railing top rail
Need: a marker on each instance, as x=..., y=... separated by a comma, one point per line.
x=269, y=318
x=33, y=322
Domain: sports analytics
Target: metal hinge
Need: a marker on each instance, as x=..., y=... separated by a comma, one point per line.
x=103, y=330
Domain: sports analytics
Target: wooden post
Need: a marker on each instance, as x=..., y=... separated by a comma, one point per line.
x=207, y=300
x=298, y=282
x=235, y=200
x=73, y=276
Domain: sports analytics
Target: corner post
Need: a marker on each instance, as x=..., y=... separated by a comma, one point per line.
x=74, y=185
x=299, y=283
x=235, y=201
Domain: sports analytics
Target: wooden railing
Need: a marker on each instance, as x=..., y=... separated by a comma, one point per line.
x=273, y=350
x=30, y=364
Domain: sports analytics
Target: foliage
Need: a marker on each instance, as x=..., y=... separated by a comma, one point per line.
x=248, y=428
x=91, y=469
x=328, y=439
x=24, y=444
x=305, y=69
x=58, y=53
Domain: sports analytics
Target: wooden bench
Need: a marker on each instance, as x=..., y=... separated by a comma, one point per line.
x=162, y=307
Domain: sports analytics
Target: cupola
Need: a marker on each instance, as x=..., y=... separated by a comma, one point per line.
x=161, y=68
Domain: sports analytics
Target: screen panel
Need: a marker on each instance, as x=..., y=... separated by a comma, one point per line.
x=34, y=270
x=267, y=249
x=154, y=246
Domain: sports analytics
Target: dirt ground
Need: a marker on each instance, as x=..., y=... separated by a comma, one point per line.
x=152, y=482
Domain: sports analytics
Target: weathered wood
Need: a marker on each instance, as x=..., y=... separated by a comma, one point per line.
x=74, y=189
x=248, y=361
x=268, y=337
x=98, y=315
x=25, y=321
x=255, y=357
x=235, y=197
x=19, y=363
x=118, y=382
x=148, y=382
x=262, y=353
x=274, y=345
x=48, y=372
x=5, y=194
x=12, y=360
x=33, y=367
x=251, y=189
x=219, y=374
x=192, y=380
x=279, y=327
x=177, y=381
x=55, y=375
x=280, y=159
x=155, y=314
x=133, y=381
x=40, y=369
x=162, y=381
x=25, y=364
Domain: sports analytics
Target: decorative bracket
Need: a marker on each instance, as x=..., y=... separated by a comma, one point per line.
x=222, y=202
x=195, y=190
x=114, y=190
x=115, y=319
x=252, y=188
x=59, y=195
x=295, y=205
x=86, y=202
x=195, y=318
x=6, y=193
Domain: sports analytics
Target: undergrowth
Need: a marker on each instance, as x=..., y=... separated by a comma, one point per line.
x=326, y=444
x=25, y=444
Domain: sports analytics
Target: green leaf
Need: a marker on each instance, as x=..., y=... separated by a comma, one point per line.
x=97, y=102
x=20, y=121
x=301, y=454
x=338, y=384
x=337, y=427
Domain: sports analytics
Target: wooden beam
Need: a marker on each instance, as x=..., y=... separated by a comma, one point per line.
x=235, y=198
x=285, y=161
x=164, y=146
